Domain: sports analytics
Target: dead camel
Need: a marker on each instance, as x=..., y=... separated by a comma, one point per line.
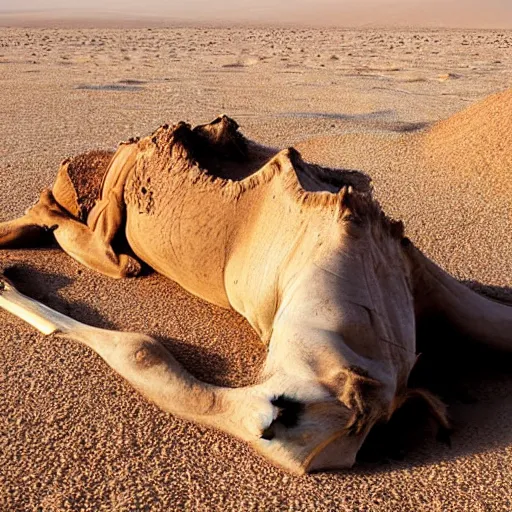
x=305, y=253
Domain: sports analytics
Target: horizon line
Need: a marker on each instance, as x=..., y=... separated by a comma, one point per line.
x=71, y=17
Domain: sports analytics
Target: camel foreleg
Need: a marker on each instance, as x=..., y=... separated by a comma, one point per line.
x=150, y=368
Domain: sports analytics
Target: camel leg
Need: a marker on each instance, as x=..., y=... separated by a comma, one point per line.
x=249, y=413
x=150, y=368
x=88, y=245
x=21, y=232
x=437, y=293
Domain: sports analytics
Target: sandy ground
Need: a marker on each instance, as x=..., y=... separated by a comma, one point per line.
x=74, y=436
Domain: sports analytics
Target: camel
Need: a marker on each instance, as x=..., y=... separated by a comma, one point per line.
x=305, y=253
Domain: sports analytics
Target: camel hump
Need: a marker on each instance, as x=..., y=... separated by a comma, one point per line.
x=222, y=136
x=78, y=183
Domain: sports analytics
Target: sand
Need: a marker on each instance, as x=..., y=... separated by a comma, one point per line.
x=73, y=435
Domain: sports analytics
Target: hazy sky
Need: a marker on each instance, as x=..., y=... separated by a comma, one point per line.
x=477, y=13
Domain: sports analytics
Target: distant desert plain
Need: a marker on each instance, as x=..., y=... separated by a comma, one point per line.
x=75, y=436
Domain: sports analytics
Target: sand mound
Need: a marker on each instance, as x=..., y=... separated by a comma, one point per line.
x=478, y=139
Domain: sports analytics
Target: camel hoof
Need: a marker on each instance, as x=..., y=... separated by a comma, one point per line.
x=131, y=267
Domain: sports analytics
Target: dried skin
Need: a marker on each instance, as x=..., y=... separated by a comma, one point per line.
x=79, y=182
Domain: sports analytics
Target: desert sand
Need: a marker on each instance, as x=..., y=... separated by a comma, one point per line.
x=75, y=436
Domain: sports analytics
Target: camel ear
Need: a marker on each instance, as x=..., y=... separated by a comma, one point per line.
x=436, y=407
x=436, y=293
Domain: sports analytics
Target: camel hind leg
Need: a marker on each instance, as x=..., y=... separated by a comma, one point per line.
x=104, y=210
x=89, y=188
x=89, y=246
x=28, y=230
x=22, y=232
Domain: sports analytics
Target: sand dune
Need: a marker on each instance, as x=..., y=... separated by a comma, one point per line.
x=478, y=138
x=470, y=151
x=72, y=434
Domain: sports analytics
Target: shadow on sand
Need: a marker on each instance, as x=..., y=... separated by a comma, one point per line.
x=475, y=383
x=44, y=286
x=377, y=120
